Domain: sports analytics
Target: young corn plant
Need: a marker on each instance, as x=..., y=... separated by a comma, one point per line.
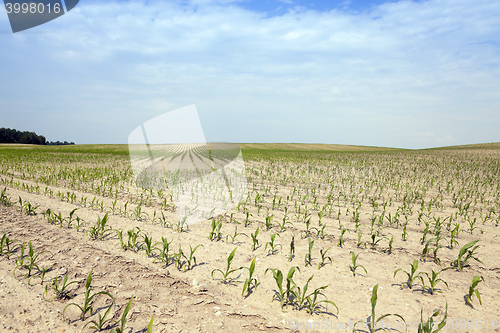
x=70, y=218
x=7, y=246
x=433, y=280
x=284, y=222
x=59, y=289
x=41, y=275
x=234, y=235
x=101, y=323
x=149, y=246
x=4, y=199
x=215, y=234
x=273, y=248
x=31, y=264
x=412, y=275
x=191, y=260
x=341, y=238
x=473, y=291
x=269, y=222
x=100, y=229
x=310, y=301
x=283, y=295
x=123, y=320
x=87, y=303
x=432, y=326
x=389, y=248
x=375, y=240
x=225, y=274
x=453, y=235
x=250, y=282
x=292, y=249
x=374, y=322
x=355, y=266
x=163, y=253
x=132, y=242
x=28, y=208
x=466, y=253
x=324, y=257
x=307, y=233
x=255, y=241
x=308, y=257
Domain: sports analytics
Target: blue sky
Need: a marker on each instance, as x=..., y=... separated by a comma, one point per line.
x=384, y=73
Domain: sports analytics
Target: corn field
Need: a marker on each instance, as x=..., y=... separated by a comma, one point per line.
x=327, y=236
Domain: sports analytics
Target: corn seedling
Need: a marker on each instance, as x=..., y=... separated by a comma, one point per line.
x=313, y=303
x=292, y=249
x=178, y=261
x=41, y=276
x=284, y=222
x=473, y=291
x=433, y=280
x=70, y=218
x=148, y=245
x=4, y=200
x=431, y=326
x=215, y=234
x=389, y=249
x=324, y=257
x=28, y=208
x=341, y=238
x=163, y=254
x=123, y=320
x=101, y=321
x=283, y=295
x=250, y=280
x=359, y=242
x=132, y=242
x=272, y=246
x=150, y=325
x=306, y=233
x=308, y=257
x=7, y=246
x=465, y=254
x=228, y=271
x=375, y=241
x=191, y=260
x=374, y=324
x=86, y=307
x=247, y=219
x=269, y=222
x=138, y=214
x=411, y=275
x=99, y=230
x=32, y=258
x=355, y=266
x=255, y=241
x=453, y=235
x=310, y=301
x=119, y=233
x=59, y=289
x=234, y=235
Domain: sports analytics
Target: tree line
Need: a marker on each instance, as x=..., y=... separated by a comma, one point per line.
x=8, y=135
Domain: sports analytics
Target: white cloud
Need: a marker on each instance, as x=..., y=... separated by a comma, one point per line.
x=402, y=65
